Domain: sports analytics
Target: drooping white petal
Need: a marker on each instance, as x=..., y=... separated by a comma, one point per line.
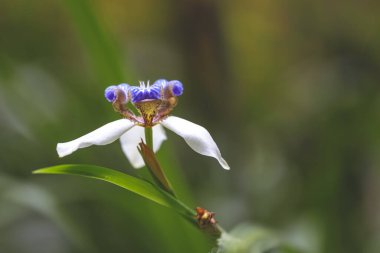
x=159, y=136
x=197, y=137
x=130, y=140
x=101, y=136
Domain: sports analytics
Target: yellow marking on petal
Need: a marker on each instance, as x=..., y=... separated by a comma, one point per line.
x=148, y=110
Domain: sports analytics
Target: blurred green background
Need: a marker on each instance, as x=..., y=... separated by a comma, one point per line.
x=289, y=90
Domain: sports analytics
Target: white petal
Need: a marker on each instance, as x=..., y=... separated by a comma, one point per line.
x=159, y=136
x=130, y=140
x=197, y=137
x=101, y=136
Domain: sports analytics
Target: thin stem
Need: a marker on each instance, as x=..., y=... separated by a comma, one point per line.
x=152, y=163
x=149, y=137
x=189, y=214
x=215, y=230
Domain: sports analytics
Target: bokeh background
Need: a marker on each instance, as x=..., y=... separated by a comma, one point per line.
x=289, y=90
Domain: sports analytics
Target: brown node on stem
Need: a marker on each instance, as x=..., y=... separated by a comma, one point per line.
x=204, y=217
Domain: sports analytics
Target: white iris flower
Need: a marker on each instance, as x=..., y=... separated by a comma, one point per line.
x=154, y=103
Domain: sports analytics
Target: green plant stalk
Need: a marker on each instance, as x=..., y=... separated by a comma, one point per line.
x=189, y=214
x=152, y=163
x=149, y=137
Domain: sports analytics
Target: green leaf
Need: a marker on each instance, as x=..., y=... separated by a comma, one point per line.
x=153, y=166
x=102, y=50
x=133, y=184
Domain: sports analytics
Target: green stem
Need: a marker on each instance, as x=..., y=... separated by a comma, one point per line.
x=149, y=137
x=189, y=214
x=215, y=230
x=152, y=163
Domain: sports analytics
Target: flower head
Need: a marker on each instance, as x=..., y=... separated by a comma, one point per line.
x=154, y=103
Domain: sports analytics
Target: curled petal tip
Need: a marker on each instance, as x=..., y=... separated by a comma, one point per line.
x=124, y=86
x=160, y=82
x=197, y=137
x=176, y=87
x=110, y=94
x=223, y=163
x=64, y=149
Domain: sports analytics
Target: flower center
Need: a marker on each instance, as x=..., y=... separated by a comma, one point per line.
x=154, y=102
x=148, y=110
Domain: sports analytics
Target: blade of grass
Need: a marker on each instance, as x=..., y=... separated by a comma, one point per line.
x=102, y=50
x=133, y=184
